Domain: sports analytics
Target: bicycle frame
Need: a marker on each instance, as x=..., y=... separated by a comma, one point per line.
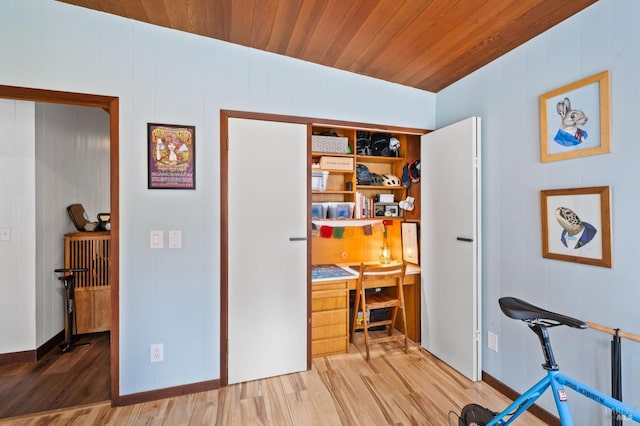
x=557, y=381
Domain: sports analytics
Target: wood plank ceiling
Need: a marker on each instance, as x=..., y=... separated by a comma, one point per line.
x=426, y=44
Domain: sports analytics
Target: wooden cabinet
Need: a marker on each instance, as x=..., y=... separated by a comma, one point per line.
x=91, y=250
x=329, y=318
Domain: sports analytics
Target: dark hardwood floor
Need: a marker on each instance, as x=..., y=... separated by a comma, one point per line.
x=58, y=380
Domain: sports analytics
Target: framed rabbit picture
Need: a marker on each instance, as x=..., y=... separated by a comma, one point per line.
x=575, y=119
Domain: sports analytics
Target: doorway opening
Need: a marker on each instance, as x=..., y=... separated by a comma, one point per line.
x=111, y=106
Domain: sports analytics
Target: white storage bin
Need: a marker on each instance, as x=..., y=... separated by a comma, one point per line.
x=318, y=211
x=319, y=180
x=340, y=210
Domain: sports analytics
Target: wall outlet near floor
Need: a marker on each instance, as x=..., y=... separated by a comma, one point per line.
x=5, y=234
x=157, y=352
x=492, y=341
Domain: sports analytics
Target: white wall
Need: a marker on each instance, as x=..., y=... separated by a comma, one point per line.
x=52, y=156
x=164, y=76
x=505, y=94
x=72, y=166
x=17, y=213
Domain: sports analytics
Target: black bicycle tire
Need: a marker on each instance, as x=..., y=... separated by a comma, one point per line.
x=475, y=415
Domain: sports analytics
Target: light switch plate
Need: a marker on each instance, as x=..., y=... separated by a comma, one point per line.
x=155, y=239
x=492, y=341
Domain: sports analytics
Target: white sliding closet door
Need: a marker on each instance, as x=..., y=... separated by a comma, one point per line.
x=450, y=251
x=267, y=248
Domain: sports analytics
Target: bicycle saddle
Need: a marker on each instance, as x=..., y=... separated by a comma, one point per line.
x=519, y=309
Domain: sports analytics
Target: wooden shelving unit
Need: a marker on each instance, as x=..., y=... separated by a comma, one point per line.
x=342, y=184
x=91, y=250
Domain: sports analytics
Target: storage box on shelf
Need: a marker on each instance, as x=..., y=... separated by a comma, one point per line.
x=337, y=144
x=336, y=163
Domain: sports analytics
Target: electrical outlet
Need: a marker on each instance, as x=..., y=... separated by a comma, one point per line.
x=5, y=234
x=175, y=239
x=157, y=352
x=492, y=341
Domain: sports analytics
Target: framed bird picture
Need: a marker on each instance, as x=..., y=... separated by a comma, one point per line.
x=576, y=225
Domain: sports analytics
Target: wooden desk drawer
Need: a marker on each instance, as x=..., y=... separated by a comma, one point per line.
x=329, y=331
x=321, y=319
x=338, y=345
x=335, y=285
x=328, y=300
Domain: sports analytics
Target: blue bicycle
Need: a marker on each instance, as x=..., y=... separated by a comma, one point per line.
x=538, y=321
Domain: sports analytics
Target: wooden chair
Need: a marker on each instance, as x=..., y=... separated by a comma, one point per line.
x=374, y=276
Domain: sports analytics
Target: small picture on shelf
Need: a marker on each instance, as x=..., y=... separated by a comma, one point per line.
x=386, y=210
x=391, y=210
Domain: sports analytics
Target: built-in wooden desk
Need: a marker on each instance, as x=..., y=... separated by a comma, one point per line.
x=330, y=310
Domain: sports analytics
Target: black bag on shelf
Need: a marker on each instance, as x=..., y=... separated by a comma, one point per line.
x=380, y=144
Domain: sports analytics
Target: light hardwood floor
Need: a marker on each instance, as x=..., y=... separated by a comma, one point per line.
x=394, y=388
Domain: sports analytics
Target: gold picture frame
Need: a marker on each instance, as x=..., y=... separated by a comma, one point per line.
x=575, y=119
x=410, y=246
x=576, y=225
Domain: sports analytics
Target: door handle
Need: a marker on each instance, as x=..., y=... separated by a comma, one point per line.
x=467, y=240
x=297, y=238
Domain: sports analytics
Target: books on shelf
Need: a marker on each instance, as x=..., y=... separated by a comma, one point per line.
x=364, y=207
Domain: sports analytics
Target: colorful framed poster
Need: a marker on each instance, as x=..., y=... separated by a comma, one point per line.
x=171, y=151
x=576, y=225
x=575, y=119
